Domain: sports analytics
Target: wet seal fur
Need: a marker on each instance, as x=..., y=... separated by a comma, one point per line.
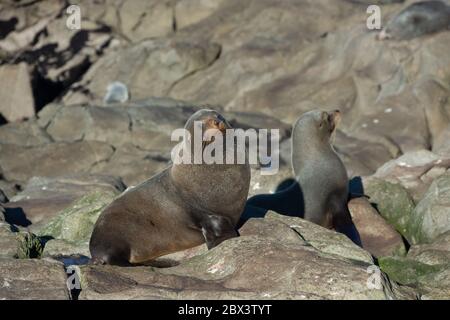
x=418, y=19
x=319, y=192
x=183, y=206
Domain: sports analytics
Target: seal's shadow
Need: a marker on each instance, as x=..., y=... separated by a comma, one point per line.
x=288, y=200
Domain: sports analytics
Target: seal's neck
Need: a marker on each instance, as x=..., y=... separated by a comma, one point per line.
x=309, y=151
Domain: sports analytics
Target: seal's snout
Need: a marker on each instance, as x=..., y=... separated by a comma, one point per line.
x=216, y=123
x=334, y=118
x=222, y=126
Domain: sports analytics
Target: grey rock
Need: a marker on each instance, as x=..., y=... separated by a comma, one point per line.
x=431, y=217
x=16, y=94
x=270, y=260
x=21, y=163
x=44, y=198
x=74, y=225
x=23, y=134
x=393, y=202
x=161, y=63
x=32, y=280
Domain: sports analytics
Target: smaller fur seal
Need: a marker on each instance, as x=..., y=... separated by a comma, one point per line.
x=320, y=190
x=418, y=19
x=183, y=206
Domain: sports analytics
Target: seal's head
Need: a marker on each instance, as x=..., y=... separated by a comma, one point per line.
x=208, y=122
x=417, y=19
x=317, y=125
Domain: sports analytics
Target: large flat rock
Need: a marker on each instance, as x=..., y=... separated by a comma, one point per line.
x=273, y=258
x=32, y=280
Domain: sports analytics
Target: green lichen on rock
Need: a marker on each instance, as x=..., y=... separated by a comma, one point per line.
x=29, y=246
x=76, y=223
x=393, y=202
x=406, y=271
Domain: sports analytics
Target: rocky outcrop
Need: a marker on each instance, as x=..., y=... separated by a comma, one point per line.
x=261, y=63
x=274, y=258
x=435, y=253
x=43, y=198
x=72, y=228
x=414, y=171
x=161, y=63
x=393, y=202
x=32, y=280
x=431, y=217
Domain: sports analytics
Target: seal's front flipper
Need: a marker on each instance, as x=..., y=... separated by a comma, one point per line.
x=216, y=229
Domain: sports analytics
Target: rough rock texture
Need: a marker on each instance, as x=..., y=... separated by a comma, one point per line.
x=392, y=201
x=8, y=241
x=32, y=280
x=255, y=265
x=431, y=281
x=261, y=63
x=414, y=171
x=163, y=63
x=43, y=198
x=25, y=134
x=431, y=217
x=377, y=235
x=15, y=94
x=437, y=252
x=74, y=225
x=55, y=159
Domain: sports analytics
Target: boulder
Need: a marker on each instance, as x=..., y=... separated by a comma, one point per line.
x=20, y=163
x=270, y=260
x=32, y=279
x=15, y=244
x=377, y=235
x=8, y=241
x=436, y=285
x=16, y=94
x=435, y=253
x=127, y=158
x=431, y=217
x=392, y=201
x=159, y=62
x=431, y=281
x=192, y=11
x=74, y=225
x=134, y=20
x=414, y=171
x=9, y=189
x=43, y=198
x=27, y=134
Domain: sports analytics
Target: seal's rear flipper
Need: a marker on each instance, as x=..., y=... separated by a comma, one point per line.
x=217, y=229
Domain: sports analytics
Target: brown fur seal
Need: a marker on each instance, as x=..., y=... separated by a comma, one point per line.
x=320, y=190
x=418, y=19
x=179, y=208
